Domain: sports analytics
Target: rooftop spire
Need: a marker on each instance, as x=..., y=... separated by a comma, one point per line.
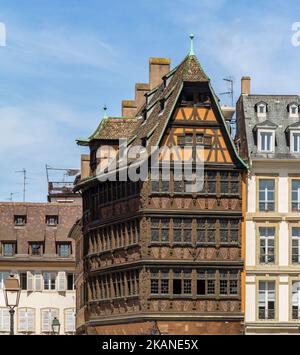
x=192, y=52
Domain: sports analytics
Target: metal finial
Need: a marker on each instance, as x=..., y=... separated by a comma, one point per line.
x=105, y=111
x=192, y=51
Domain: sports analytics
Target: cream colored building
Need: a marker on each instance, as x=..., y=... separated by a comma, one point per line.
x=268, y=135
x=45, y=298
x=34, y=246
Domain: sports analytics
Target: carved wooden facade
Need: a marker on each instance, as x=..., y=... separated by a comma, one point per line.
x=157, y=251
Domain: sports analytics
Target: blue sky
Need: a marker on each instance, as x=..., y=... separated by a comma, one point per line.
x=65, y=59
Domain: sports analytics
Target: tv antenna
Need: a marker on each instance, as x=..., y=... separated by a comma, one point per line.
x=24, y=172
x=230, y=92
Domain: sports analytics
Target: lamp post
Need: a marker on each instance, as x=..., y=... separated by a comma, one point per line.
x=55, y=326
x=12, y=292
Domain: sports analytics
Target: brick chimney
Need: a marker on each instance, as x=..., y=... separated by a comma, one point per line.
x=246, y=85
x=129, y=108
x=140, y=91
x=158, y=67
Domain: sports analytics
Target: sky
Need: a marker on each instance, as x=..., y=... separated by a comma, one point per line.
x=64, y=60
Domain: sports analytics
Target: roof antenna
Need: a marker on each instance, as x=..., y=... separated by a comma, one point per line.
x=24, y=172
x=105, y=111
x=192, y=51
x=230, y=91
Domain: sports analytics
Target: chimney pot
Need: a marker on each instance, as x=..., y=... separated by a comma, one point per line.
x=246, y=85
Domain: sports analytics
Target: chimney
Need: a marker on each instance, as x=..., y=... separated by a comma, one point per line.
x=129, y=108
x=246, y=85
x=85, y=166
x=140, y=91
x=158, y=67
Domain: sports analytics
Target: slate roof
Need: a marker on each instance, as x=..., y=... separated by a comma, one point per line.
x=277, y=115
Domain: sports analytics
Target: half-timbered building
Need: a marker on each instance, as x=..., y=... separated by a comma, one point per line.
x=159, y=257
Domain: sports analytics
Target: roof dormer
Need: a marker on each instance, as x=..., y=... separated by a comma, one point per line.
x=293, y=110
x=261, y=108
x=266, y=137
x=293, y=134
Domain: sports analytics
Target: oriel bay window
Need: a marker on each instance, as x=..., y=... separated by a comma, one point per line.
x=267, y=195
x=202, y=283
x=296, y=300
x=296, y=245
x=266, y=306
x=116, y=285
x=223, y=231
x=267, y=245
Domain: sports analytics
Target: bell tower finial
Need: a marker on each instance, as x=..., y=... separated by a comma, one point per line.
x=192, y=51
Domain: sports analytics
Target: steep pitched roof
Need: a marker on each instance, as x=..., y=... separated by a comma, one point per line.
x=153, y=128
x=113, y=128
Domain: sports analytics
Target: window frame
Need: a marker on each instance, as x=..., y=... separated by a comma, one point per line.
x=291, y=114
x=291, y=190
x=34, y=320
x=276, y=244
x=50, y=280
x=292, y=281
x=270, y=132
x=55, y=218
x=265, y=109
x=267, y=281
x=14, y=248
x=63, y=244
x=291, y=238
x=293, y=134
x=258, y=181
x=42, y=246
x=23, y=217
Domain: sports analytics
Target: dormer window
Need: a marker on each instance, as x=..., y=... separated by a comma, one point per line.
x=295, y=141
x=293, y=110
x=261, y=109
x=266, y=141
x=162, y=105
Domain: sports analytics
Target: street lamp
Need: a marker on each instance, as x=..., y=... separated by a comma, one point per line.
x=12, y=292
x=55, y=326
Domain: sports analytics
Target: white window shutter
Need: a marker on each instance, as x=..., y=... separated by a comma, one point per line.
x=46, y=321
x=30, y=286
x=38, y=282
x=22, y=324
x=5, y=320
x=30, y=320
x=70, y=321
x=62, y=282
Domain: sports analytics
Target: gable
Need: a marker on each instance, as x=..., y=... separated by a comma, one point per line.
x=201, y=121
